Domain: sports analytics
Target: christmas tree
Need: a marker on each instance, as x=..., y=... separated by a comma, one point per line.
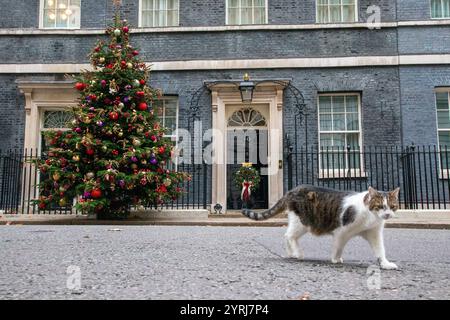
x=115, y=154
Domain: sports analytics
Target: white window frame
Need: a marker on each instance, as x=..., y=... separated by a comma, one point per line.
x=431, y=12
x=341, y=173
x=41, y=19
x=443, y=173
x=342, y=8
x=166, y=26
x=266, y=20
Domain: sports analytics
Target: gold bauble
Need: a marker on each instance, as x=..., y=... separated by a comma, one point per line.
x=134, y=166
x=76, y=158
x=62, y=202
x=101, y=60
x=90, y=175
x=56, y=176
x=136, y=142
x=167, y=182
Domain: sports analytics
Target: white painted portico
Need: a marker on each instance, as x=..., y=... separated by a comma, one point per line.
x=226, y=95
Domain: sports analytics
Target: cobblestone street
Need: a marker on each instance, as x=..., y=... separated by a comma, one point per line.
x=157, y=262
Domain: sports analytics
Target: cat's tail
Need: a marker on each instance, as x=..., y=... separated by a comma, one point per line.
x=279, y=207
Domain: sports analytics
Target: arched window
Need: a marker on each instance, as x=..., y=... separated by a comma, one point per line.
x=247, y=117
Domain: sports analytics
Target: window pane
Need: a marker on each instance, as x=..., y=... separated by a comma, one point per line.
x=325, y=122
x=260, y=3
x=172, y=4
x=339, y=122
x=442, y=101
x=326, y=140
x=444, y=138
x=351, y=103
x=322, y=14
x=352, y=121
x=443, y=119
x=339, y=104
x=436, y=9
x=348, y=13
x=233, y=3
x=324, y=104
x=147, y=4
x=339, y=141
x=353, y=141
x=260, y=16
x=246, y=16
x=335, y=13
x=233, y=16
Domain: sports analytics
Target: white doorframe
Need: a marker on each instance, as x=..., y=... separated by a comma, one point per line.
x=223, y=95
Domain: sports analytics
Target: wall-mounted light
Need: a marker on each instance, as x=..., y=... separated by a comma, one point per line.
x=246, y=88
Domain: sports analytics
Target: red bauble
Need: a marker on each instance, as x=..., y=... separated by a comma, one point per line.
x=90, y=152
x=42, y=205
x=140, y=93
x=125, y=29
x=142, y=82
x=115, y=152
x=96, y=193
x=113, y=115
x=153, y=138
x=135, y=53
x=162, y=150
x=80, y=86
x=142, y=106
x=97, y=49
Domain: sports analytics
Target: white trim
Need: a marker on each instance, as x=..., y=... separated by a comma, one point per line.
x=437, y=59
x=227, y=28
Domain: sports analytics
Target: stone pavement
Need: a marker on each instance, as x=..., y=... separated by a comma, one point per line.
x=431, y=219
x=172, y=262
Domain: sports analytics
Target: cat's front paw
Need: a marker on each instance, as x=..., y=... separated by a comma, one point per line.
x=388, y=265
x=296, y=255
x=337, y=260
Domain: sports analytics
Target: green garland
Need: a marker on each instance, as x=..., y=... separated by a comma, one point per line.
x=247, y=173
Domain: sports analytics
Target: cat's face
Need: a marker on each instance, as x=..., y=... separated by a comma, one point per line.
x=383, y=204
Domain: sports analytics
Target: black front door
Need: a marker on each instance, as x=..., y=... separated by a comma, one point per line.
x=247, y=145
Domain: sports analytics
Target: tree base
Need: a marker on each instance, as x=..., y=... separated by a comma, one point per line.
x=116, y=211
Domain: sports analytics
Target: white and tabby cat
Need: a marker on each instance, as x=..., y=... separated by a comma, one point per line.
x=342, y=214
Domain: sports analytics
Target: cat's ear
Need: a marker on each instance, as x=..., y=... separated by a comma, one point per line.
x=372, y=192
x=395, y=193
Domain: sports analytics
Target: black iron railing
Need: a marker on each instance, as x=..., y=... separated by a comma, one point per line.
x=19, y=179
x=422, y=172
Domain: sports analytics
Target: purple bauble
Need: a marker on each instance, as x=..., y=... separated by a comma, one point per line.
x=78, y=130
x=121, y=183
x=127, y=87
x=100, y=123
x=126, y=99
x=86, y=195
x=153, y=161
x=134, y=159
x=103, y=83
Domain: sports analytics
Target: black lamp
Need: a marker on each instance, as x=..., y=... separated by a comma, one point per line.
x=247, y=87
